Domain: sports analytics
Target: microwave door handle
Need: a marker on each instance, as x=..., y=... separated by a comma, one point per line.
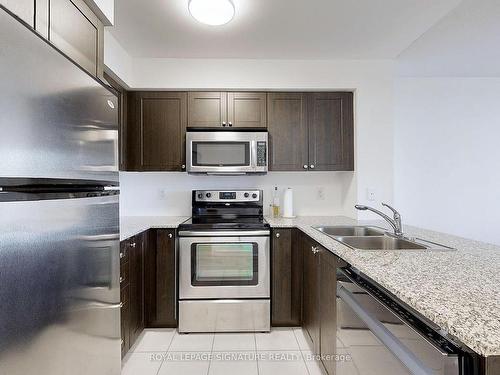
x=391, y=342
x=253, y=155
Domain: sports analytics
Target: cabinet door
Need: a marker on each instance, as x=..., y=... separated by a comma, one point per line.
x=311, y=316
x=287, y=126
x=331, y=131
x=125, y=295
x=328, y=309
x=247, y=109
x=160, y=279
x=77, y=32
x=24, y=9
x=125, y=319
x=207, y=109
x=157, y=131
x=286, y=294
x=136, y=285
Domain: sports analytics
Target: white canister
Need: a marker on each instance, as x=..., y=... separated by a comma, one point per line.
x=288, y=203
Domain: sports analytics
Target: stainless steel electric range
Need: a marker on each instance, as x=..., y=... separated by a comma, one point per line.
x=224, y=263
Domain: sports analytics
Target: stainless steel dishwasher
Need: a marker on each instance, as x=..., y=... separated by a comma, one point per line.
x=377, y=335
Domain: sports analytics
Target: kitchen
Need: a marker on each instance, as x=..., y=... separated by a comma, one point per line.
x=208, y=191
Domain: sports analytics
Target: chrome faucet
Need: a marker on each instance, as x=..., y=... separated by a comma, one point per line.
x=395, y=222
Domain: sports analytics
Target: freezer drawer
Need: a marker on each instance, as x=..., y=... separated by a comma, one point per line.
x=59, y=277
x=56, y=121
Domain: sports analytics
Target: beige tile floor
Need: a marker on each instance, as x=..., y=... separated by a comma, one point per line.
x=284, y=351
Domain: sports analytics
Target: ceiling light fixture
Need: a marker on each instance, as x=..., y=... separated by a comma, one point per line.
x=212, y=12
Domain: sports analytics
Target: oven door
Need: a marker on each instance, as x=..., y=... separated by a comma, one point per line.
x=226, y=152
x=224, y=267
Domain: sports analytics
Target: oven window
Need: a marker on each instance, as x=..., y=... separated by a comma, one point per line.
x=214, y=264
x=220, y=154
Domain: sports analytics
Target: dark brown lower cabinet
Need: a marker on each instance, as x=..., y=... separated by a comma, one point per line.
x=132, y=289
x=160, y=279
x=311, y=289
x=328, y=309
x=320, y=301
x=286, y=293
x=147, y=283
x=136, y=275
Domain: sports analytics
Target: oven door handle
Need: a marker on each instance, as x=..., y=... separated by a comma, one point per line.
x=391, y=342
x=243, y=233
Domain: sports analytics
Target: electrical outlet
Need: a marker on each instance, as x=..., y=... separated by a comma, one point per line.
x=371, y=196
x=321, y=193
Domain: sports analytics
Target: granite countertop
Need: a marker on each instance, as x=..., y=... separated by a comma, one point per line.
x=132, y=225
x=459, y=290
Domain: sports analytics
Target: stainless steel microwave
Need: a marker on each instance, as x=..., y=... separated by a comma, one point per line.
x=226, y=152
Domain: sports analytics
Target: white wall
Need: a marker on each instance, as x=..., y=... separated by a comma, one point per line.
x=117, y=61
x=170, y=193
x=447, y=125
x=105, y=10
x=372, y=82
x=447, y=155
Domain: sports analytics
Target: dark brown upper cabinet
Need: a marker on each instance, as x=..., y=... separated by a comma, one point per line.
x=288, y=134
x=311, y=131
x=70, y=25
x=331, y=131
x=77, y=32
x=207, y=109
x=24, y=9
x=286, y=276
x=247, y=109
x=34, y=12
x=227, y=109
x=157, y=127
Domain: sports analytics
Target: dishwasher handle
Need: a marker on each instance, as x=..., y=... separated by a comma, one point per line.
x=391, y=342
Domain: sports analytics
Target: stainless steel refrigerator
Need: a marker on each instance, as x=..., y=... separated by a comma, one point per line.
x=59, y=223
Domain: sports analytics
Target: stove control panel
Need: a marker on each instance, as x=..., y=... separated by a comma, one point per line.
x=227, y=195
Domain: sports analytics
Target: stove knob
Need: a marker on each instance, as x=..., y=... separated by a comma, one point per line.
x=200, y=195
x=246, y=195
x=254, y=195
x=208, y=195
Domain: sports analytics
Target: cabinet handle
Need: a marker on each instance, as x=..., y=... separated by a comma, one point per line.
x=170, y=235
x=132, y=244
x=121, y=279
x=122, y=255
x=230, y=124
x=121, y=305
x=311, y=166
x=278, y=235
x=305, y=166
x=224, y=123
x=122, y=342
x=315, y=249
x=183, y=166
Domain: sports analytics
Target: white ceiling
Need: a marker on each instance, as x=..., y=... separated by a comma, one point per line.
x=278, y=29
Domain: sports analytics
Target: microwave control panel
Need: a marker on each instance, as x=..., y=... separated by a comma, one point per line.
x=261, y=154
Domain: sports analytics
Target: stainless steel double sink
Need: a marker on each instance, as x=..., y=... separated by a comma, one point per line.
x=374, y=238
